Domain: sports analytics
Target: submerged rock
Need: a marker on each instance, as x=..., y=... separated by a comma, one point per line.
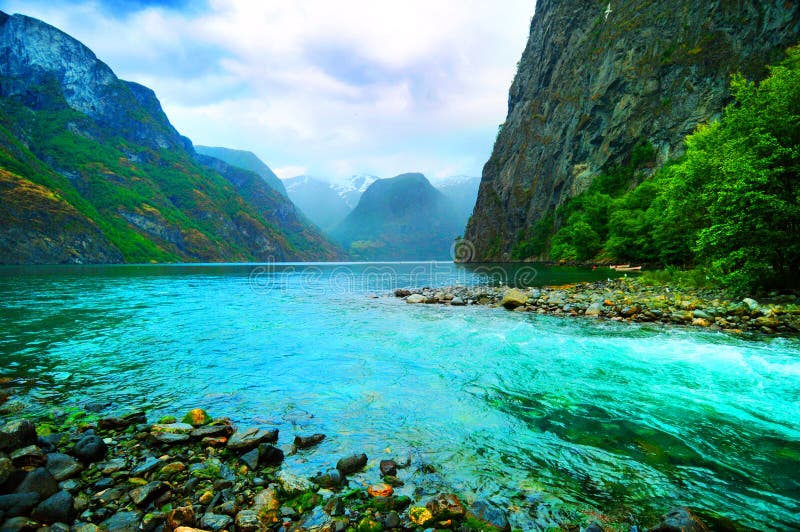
x=304, y=442
x=680, y=520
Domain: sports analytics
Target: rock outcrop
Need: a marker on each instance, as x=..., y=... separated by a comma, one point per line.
x=590, y=87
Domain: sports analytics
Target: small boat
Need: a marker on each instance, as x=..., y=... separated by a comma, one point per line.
x=627, y=268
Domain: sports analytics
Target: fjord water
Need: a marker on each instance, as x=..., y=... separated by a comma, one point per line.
x=541, y=414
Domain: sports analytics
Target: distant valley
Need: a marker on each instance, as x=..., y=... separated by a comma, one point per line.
x=402, y=218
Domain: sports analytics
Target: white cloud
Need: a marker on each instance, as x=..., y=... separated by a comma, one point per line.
x=329, y=87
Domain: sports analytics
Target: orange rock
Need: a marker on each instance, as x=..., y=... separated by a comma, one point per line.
x=210, y=441
x=380, y=490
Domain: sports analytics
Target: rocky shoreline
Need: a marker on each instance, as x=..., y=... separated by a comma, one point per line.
x=204, y=474
x=629, y=300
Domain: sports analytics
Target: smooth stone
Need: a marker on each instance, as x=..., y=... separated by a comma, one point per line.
x=752, y=304
x=85, y=527
x=457, y=302
x=40, y=481
x=90, y=449
x=266, y=504
x=304, y=442
x=173, y=428
x=415, y=299
x=388, y=467
x=170, y=438
x=215, y=522
x=351, y=464
x=250, y=458
x=594, y=527
x=31, y=455
x=57, y=508
x=595, y=309
x=122, y=423
x=247, y=521
x=269, y=455
x=244, y=440
x=122, y=522
x=393, y=481
x=292, y=484
x=16, y=504
x=172, y=468
x=62, y=466
x=113, y=465
x=146, y=493
x=208, y=431
x=514, y=298
x=489, y=514
x=150, y=464
x=17, y=434
x=680, y=520
x=392, y=520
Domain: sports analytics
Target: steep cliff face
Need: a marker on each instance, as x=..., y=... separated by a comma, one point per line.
x=589, y=89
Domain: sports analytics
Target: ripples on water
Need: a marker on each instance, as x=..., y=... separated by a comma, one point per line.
x=531, y=411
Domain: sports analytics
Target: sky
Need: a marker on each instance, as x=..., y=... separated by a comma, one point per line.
x=320, y=87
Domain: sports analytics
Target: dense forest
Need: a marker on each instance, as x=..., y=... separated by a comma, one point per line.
x=730, y=205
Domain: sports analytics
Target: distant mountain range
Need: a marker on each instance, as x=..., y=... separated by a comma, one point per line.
x=91, y=170
x=402, y=218
x=327, y=205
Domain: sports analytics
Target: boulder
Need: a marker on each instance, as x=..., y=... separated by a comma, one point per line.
x=294, y=485
x=415, y=298
x=6, y=469
x=62, y=466
x=28, y=456
x=388, y=467
x=16, y=504
x=17, y=434
x=243, y=440
x=39, y=481
x=90, y=449
x=351, y=464
x=595, y=309
x=269, y=455
x=514, y=298
x=304, y=442
x=58, y=508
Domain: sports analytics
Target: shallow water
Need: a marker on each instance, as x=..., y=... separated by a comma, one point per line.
x=541, y=414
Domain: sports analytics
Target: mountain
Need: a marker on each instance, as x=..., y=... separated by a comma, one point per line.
x=91, y=170
x=246, y=160
x=353, y=187
x=318, y=200
x=590, y=90
x=402, y=218
x=462, y=191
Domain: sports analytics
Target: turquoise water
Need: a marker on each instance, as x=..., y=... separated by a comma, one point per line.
x=541, y=414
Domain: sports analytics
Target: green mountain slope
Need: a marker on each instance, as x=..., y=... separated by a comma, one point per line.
x=246, y=160
x=402, y=218
x=105, y=147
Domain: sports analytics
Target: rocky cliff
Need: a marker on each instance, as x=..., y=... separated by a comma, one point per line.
x=590, y=87
x=93, y=171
